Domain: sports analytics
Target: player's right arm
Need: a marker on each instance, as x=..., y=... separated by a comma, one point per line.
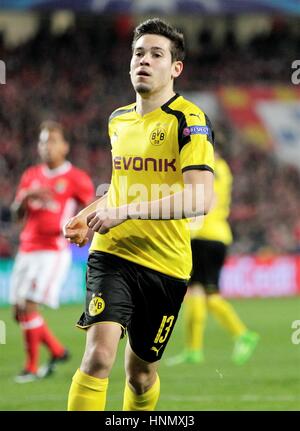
x=76, y=229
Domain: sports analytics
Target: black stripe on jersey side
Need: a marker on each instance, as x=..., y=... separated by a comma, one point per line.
x=198, y=167
x=119, y=112
x=182, y=124
x=211, y=133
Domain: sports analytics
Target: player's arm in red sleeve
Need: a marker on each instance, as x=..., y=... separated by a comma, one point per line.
x=84, y=191
x=76, y=229
x=25, y=192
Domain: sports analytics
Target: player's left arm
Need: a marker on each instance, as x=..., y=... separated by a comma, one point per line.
x=199, y=191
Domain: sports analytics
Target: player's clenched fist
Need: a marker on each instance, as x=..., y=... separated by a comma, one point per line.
x=103, y=221
x=76, y=231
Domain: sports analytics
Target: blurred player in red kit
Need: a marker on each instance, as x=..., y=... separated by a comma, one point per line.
x=48, y=194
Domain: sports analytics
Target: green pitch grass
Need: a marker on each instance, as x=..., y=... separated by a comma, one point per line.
x=269, y=381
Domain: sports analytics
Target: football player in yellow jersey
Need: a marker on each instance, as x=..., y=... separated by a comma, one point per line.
x=140, y=256
x=210, y=240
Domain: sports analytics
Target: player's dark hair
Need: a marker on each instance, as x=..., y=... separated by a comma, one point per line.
x=53, y=126
x=160, y=27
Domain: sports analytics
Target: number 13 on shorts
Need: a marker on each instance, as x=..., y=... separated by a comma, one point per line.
x=164, y=329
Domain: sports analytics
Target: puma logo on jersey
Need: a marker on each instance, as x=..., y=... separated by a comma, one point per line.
x=195, y=115
x=156, y=350
x=144, y=164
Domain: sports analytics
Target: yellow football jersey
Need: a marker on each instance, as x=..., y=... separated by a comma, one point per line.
x=149, y=155
x=214, y=226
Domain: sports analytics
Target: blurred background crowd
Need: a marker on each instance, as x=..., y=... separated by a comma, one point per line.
x=80, y=76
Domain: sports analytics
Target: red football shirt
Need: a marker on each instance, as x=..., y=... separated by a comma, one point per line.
x=69, y=187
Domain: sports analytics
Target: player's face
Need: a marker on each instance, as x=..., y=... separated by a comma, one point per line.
x=151, y=66
x=52, y=147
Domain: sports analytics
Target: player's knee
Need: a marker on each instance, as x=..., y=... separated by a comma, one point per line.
x=211, y=289
x=141, y=381
x=97, y=359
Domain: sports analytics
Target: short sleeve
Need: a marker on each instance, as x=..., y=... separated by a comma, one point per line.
x=23, y=186
x=84, y=190
x=196, y=139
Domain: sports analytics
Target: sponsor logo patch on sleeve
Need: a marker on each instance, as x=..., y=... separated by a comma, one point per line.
x=198, y=130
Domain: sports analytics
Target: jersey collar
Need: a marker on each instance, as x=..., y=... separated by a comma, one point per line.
x=170, y=101
x=165, y=105
x=62, y=169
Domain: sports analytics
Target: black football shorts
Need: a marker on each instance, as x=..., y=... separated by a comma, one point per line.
x=208, y=259
x=143, y=301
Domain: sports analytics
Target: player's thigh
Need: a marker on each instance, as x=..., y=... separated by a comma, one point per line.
x=101, y=348
x=22, y=279
x=52, y=268
x=158, y=299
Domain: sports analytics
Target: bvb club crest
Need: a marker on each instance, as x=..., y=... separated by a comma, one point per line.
x=96, y=306
x=158, y=136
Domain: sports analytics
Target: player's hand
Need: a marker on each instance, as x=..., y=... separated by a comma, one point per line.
x=76, y=231
x=102, y=221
